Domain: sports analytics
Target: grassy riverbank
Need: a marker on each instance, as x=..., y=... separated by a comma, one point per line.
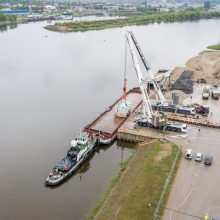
x=113, y=182
x=141, y=182
x=5, y=19
x=138, y=20
x=214, y=47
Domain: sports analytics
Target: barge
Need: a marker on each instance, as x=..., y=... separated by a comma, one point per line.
x=106, y=125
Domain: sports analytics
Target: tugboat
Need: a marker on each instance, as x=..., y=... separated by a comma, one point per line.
x=80, y=148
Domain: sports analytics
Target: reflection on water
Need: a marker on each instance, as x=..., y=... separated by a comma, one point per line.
x=122, y=145
x=125, y=144
x=52, y=86
x=86, y=164
x=4, y=27
x=12, y=26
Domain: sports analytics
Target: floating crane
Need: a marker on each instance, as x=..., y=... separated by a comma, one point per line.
x=148, y=118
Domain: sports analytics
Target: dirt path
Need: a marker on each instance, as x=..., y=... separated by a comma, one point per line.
x=118, y=194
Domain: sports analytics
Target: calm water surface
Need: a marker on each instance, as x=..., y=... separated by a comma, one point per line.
x=53, y=84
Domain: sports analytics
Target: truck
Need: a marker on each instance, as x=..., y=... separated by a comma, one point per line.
x=202, y=110
x=215, y=91
x=205, y=93
x=169, y=107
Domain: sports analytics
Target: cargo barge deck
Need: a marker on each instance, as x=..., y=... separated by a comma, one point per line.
x=106, y=125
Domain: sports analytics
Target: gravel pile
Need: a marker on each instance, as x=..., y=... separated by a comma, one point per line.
x=184, y=82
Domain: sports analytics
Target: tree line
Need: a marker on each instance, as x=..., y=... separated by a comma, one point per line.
x=7, y=18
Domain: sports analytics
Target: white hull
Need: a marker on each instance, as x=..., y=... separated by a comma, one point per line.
x=107, y=141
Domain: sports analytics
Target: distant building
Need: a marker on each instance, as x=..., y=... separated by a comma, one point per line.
x=207, y=4
x=49, y=8
x=217, y=7
x=144, y=4
x=164, y=9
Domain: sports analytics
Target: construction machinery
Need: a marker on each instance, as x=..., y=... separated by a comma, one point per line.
x=202, y=110
x=148, y=118
x=152, y=83
x=160, y=104
x=169, y=107
x=205, y=93
x=123, y=108
x=215, y=91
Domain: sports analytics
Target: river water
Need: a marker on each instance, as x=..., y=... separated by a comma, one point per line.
x=53, y=84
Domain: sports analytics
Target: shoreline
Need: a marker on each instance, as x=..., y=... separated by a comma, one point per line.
x=129, y=201
x=139, y=20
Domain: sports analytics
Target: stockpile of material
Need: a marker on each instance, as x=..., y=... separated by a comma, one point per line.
x=184, y=83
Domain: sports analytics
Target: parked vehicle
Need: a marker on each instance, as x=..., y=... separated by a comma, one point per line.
x=188, y=154
x=208, y=160
x=215, y=91
x=203, y=110
x=199, y=157
x=205, y=93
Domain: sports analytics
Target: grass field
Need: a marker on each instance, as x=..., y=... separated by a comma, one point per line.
x=141, y=182
x=113, y=182
x=214, y=47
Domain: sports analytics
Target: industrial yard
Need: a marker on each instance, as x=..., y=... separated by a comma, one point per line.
x=199, y=184
x=199, y=192
x=204, y=66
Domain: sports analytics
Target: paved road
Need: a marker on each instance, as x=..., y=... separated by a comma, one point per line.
x=196, y=188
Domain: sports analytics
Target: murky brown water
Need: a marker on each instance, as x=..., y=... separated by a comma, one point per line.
x=53, y=84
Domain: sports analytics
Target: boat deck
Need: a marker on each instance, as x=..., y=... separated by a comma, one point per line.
x=107, y=122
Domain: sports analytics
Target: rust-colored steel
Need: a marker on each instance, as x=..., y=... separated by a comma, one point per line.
x=106, y=124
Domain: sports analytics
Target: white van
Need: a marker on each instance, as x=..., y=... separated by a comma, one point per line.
x=188, y=154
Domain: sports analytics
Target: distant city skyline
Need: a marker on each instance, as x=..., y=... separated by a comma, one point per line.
x=163, y=2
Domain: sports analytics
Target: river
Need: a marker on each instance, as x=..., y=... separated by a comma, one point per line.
x=53, y=84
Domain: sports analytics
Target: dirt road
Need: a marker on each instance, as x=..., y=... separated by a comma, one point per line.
x=205, y=66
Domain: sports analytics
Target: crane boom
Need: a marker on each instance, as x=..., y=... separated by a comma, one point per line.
x=147, y=110
x=150, y=119
x=150, y=74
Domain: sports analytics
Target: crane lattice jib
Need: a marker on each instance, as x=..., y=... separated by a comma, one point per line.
x=150, y=75
x=147, y=110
